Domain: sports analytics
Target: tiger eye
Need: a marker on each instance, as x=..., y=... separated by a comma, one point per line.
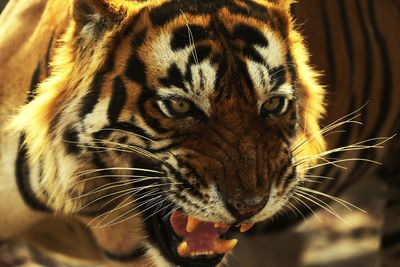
x=272, y=104
x=180, y=106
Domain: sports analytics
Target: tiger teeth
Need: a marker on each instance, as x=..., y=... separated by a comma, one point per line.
x=220, y=247
x=220, y=225
x=245, y=227
x=192, y=224
x=201, y=253
x=224, y=246
x=183, y=249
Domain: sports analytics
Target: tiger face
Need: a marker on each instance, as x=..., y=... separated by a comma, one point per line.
x=189, y=109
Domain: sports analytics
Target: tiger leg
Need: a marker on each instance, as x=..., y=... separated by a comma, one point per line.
x=122, y=243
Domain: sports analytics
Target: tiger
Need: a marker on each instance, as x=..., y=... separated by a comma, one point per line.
x=164, y=126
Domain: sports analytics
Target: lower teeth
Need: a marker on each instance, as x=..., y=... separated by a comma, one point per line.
x=201, y=253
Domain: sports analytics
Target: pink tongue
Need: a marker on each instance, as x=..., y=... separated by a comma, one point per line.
x=203, y=237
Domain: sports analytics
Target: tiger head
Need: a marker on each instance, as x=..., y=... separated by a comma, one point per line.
x=204, y=113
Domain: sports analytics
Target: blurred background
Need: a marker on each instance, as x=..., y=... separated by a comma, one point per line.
x=340, y=34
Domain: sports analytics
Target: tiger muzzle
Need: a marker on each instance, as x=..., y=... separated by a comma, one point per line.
x=243, y=208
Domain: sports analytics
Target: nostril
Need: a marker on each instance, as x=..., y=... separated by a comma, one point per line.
x=247, y=207
x=253, y=201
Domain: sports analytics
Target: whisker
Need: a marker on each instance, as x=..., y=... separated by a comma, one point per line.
x=137, y=197
x=326, y=130
x=135, y=134
x=319, y=176
x=130, y=148
x=344, y=203
x=329, y=210
x=139, y=178
x=105, y=215
x=130, y=133
x=291, y=206
x=114, y=221
x=356, y=146
x=129, y=190
x=317, y=201
x=191, y=39
x=341, y=160
x=109, y=186
x=86, y=172
x=160, y=210
x=152, y=192
x=305, y=204
x=348, y=118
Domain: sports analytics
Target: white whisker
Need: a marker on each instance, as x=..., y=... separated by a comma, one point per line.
x=344, y=203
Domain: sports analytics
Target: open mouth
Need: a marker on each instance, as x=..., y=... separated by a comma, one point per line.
x=187, y=241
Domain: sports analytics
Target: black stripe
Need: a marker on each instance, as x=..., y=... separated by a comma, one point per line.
x=253, y=54
x=168, y=11
x=117, y=101
x=34, y=82
x=243, y=73
x=70, y=140
x=328, y=44
x=292, y=68
x=22, y=174
x=174, y=78
x=202, y=52
x=387, y=86
x=139, y=38
x=347, y=36
x=131, y=128
x=385, y=101
x=279, y=178
x=146, y=96
x=181, y=38
x=367, y=87
x=136, y=69
x=184, y=185
x=48, y=54
x=290, y=178
x=90, y=100
x=134, y=255
x=221, y=71
x=249, y=35
x=390, y=240
x=277, y=76
x=368, y=55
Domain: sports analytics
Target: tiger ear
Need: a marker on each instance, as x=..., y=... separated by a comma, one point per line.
x=89, y=11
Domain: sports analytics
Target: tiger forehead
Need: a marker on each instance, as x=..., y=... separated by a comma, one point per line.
x=163, y=13
x=186, y=57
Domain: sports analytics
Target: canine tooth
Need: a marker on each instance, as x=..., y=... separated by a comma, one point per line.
x=245, y=227
x=225, y=245
x=183, y=249
x=192, y=224
x=220, y=225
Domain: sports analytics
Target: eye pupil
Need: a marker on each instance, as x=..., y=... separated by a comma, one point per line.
x=276, y=105
x=180, y=106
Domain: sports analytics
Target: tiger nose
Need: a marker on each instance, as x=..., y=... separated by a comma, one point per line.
x=246, y=207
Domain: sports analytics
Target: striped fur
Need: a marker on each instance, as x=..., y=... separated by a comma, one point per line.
x=353, y=42
x=361, y=58
x=103, y=104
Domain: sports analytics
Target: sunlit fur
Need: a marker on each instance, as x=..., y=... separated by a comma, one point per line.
x=88, y=44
